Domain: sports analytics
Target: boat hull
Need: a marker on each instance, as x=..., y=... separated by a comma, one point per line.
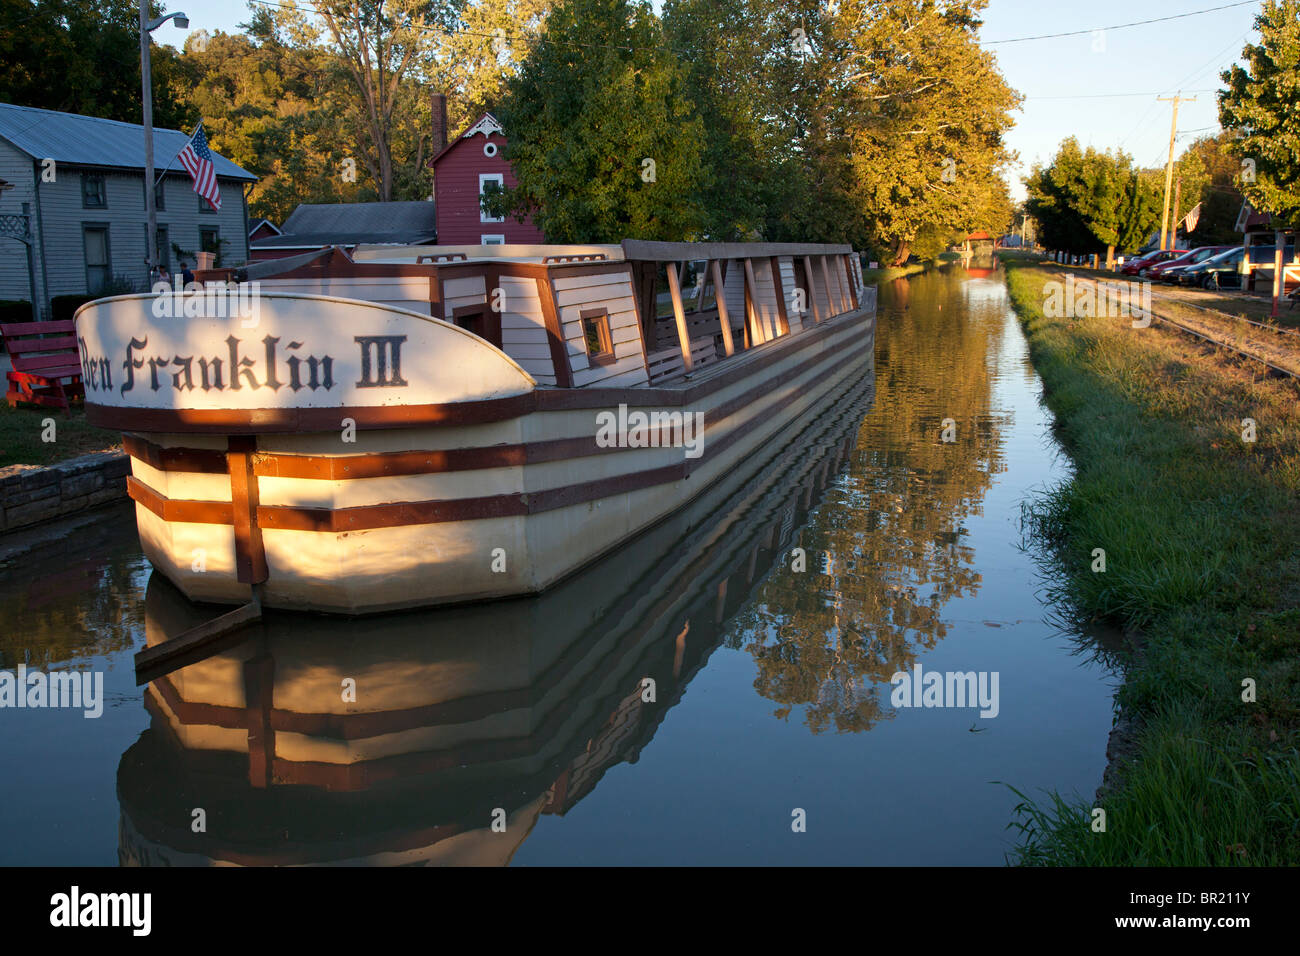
x=438, y=514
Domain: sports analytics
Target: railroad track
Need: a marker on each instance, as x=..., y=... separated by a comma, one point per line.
x=1220, y=344
x=1266, y=326
x=1204, y=335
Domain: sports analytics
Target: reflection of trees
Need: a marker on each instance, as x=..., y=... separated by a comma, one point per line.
x=63, y=607
x=885, y=553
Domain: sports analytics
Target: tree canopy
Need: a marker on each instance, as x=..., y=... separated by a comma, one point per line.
x=1259, y=109
x=1087, y=201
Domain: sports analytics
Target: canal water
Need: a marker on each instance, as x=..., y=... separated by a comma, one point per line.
x=719, y=692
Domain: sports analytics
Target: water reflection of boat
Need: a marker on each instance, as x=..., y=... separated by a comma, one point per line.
x=453, y=748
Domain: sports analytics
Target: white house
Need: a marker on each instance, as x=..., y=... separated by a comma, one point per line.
x=80, y=182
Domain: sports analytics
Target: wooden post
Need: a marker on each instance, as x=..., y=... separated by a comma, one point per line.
x=719, y=293
x=812, y=289
x=757, y=334
x=675, y=290
x=782, y=316
x=851, y=279
x=704, y=281
x=1279, y=285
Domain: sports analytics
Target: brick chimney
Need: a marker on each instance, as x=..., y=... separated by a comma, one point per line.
x=439, y=121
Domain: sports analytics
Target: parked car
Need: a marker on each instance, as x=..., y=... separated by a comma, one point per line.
x=1140, y=265
x=1168, y=270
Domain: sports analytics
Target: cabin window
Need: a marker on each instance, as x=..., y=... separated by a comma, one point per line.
x=497, y=240
x=205, y=206
x=93, y=193
x=595, y=332
x=99, y=269
x=480, y=320
x=488, y=184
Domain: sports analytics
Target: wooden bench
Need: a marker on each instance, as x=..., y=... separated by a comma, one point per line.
x=47, y=365
x=667, y=364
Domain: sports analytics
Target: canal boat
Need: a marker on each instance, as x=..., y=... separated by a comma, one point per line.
x=406, y=426
x=322, y=741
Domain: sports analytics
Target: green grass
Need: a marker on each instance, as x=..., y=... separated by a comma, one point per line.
x=21, y=432
x=1202, y=547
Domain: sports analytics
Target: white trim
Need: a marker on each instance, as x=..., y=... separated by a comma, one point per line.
x=487, y=126
x=500, y=180
x=498, y=239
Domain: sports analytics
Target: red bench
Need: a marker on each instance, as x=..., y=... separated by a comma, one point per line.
x=47, y=365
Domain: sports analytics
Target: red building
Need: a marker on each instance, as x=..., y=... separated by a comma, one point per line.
x=463, y=170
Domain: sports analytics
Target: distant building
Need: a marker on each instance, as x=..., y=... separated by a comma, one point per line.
x=348, y=225
x=81, y=180
x=464, y=170
x=262, y=229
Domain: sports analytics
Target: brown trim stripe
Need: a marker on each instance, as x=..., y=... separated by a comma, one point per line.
x=392, y=464
x=398, y=514
x=185, y=512
x=203, y=461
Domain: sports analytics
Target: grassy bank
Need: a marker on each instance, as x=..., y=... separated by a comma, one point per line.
x=21, y=432
x=873, y=276
x=1201, y=535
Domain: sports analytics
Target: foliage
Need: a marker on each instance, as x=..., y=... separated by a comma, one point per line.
x=1209, y=174
x=1259, y=108
x=603, y=140
x=1085, y=200
x=924, y=110
x=83, y=56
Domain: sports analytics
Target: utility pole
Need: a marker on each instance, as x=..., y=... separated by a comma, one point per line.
x=1169, y=167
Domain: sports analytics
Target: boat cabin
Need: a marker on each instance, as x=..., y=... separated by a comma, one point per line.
x=639, y=313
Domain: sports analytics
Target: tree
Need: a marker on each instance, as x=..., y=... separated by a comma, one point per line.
x=1259, y=109
x=1208, y=162
x=271, y=102
x=83, y=56
x=923, y=109
x=471, y=64
x=378, y=45
x=728, y=54
x=1088, y=201
x=603, y=140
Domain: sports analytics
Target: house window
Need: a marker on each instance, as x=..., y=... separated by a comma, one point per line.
x=497, y=240
x=489, y=183
x=595, y=331
x=93, y=193
x=210, y=239
x=164, y=246
x=159, y=195
x=99, y=268
x=204, y=205
x=480, y=320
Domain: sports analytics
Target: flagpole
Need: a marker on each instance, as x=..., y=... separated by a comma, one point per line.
x=166, y=169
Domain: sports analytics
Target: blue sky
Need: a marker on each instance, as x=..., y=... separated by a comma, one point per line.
x=1067, y=81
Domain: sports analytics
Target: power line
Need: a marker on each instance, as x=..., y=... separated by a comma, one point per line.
x=1098, y=96
x=1120, y=26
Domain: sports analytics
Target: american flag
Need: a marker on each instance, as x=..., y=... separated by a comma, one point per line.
x=197, y=160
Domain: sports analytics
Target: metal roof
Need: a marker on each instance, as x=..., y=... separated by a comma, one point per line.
x=91, y=141
x=314, y=240
x=351, y=220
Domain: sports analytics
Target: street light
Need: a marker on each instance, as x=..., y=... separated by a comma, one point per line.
x=147, y=26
